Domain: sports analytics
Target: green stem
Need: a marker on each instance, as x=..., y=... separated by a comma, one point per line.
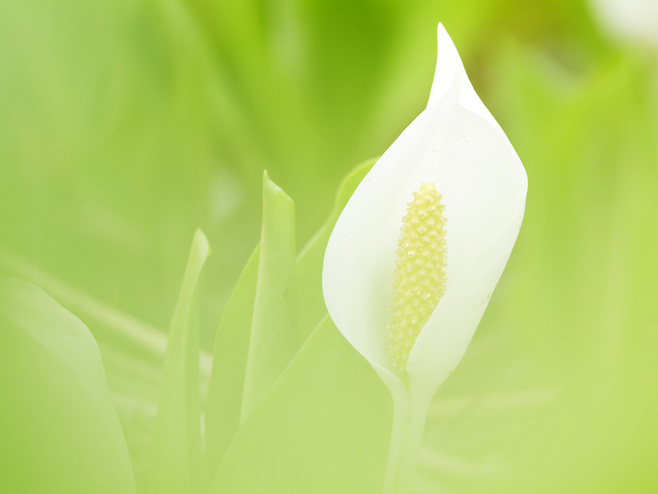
x=409, y=416
x=398, y=435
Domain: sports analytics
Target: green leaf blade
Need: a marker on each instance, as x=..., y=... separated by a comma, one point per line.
x=323, y=428
x=310, y=300
x=274, y=339
x=59, y=430
x=177, y=441
x=222, y=411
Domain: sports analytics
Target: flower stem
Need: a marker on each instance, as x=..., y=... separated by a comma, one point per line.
x=409, y=415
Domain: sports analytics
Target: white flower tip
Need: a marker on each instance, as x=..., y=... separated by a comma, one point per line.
x=451, y=80
x=447, y=66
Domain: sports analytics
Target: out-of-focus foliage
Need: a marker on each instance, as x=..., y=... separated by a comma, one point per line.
x=124, y=125
x=177, y=444
x=59, y=430
x=323, y=428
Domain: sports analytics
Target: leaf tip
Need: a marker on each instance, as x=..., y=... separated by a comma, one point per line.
x=200, y=244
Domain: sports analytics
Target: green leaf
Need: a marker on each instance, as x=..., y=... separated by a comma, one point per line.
x=323, y=428
x=232, y=340
x=310, y=300
x=59, y=430
x=222, y=417
x=177, y=441
x=274, y=339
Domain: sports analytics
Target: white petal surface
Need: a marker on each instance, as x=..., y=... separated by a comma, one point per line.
x=444, y=339
x=456, y=145
x=635, y=21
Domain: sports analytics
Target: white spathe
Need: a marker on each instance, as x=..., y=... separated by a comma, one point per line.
x=457, y=145
x=634, y=21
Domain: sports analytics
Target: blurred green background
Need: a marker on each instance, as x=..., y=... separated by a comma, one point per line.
x=125, y=125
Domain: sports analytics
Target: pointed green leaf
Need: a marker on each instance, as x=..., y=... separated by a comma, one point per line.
x=309, y=263
x=225, y=388
x=274, y=338
x=59, y=430
x=222, y=411
x=177, y=442
x=323, y=428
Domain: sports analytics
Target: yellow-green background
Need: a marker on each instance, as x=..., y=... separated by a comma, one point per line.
x=126, y=124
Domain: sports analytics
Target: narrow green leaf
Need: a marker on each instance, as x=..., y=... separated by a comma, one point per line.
x=177, y=440
x=309, y=263
x=274, y=338
x=323, y=428
x=222, y=412
x=232, y=340
x=59, y=430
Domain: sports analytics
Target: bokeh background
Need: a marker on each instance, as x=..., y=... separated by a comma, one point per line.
x=125, y=125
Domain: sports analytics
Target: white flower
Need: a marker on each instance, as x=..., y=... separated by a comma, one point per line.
x=444, y=252
x=635, y=21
